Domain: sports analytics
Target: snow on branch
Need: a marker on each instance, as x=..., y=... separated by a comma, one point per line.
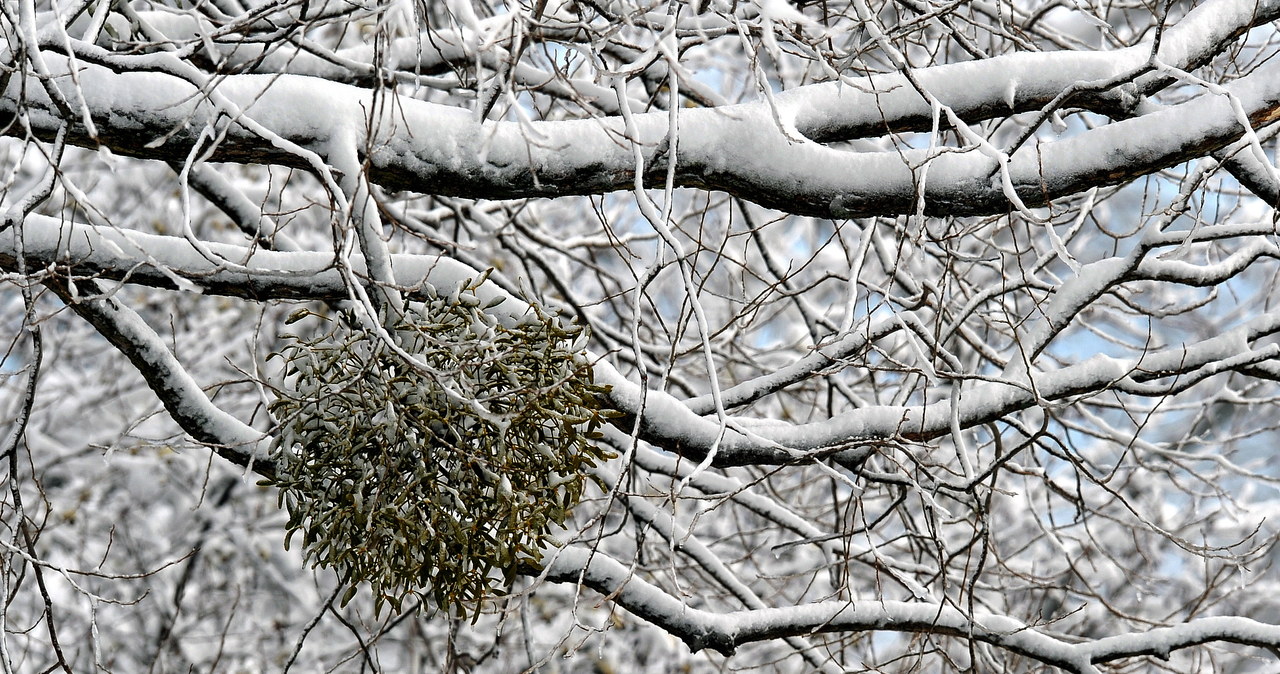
x=667, y=421
x=852, y=107
x=221, y=269
x=724, y=632
x=186, y=402
x=140, y=108
x=998, y=438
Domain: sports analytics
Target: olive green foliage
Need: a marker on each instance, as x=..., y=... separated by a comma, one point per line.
x=436, y=478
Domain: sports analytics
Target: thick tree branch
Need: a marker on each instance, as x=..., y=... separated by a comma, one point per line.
x=738, y=149
x=220, y=269
x=724, y=632
x=667, y=421
x=854, y=107
x=181, y=395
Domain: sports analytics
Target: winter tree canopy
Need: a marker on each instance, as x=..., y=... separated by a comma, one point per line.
x=618, y=336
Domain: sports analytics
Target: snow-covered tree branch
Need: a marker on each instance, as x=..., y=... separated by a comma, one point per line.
x=471, y=335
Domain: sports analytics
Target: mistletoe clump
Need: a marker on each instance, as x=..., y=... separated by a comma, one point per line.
x=435, y=460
